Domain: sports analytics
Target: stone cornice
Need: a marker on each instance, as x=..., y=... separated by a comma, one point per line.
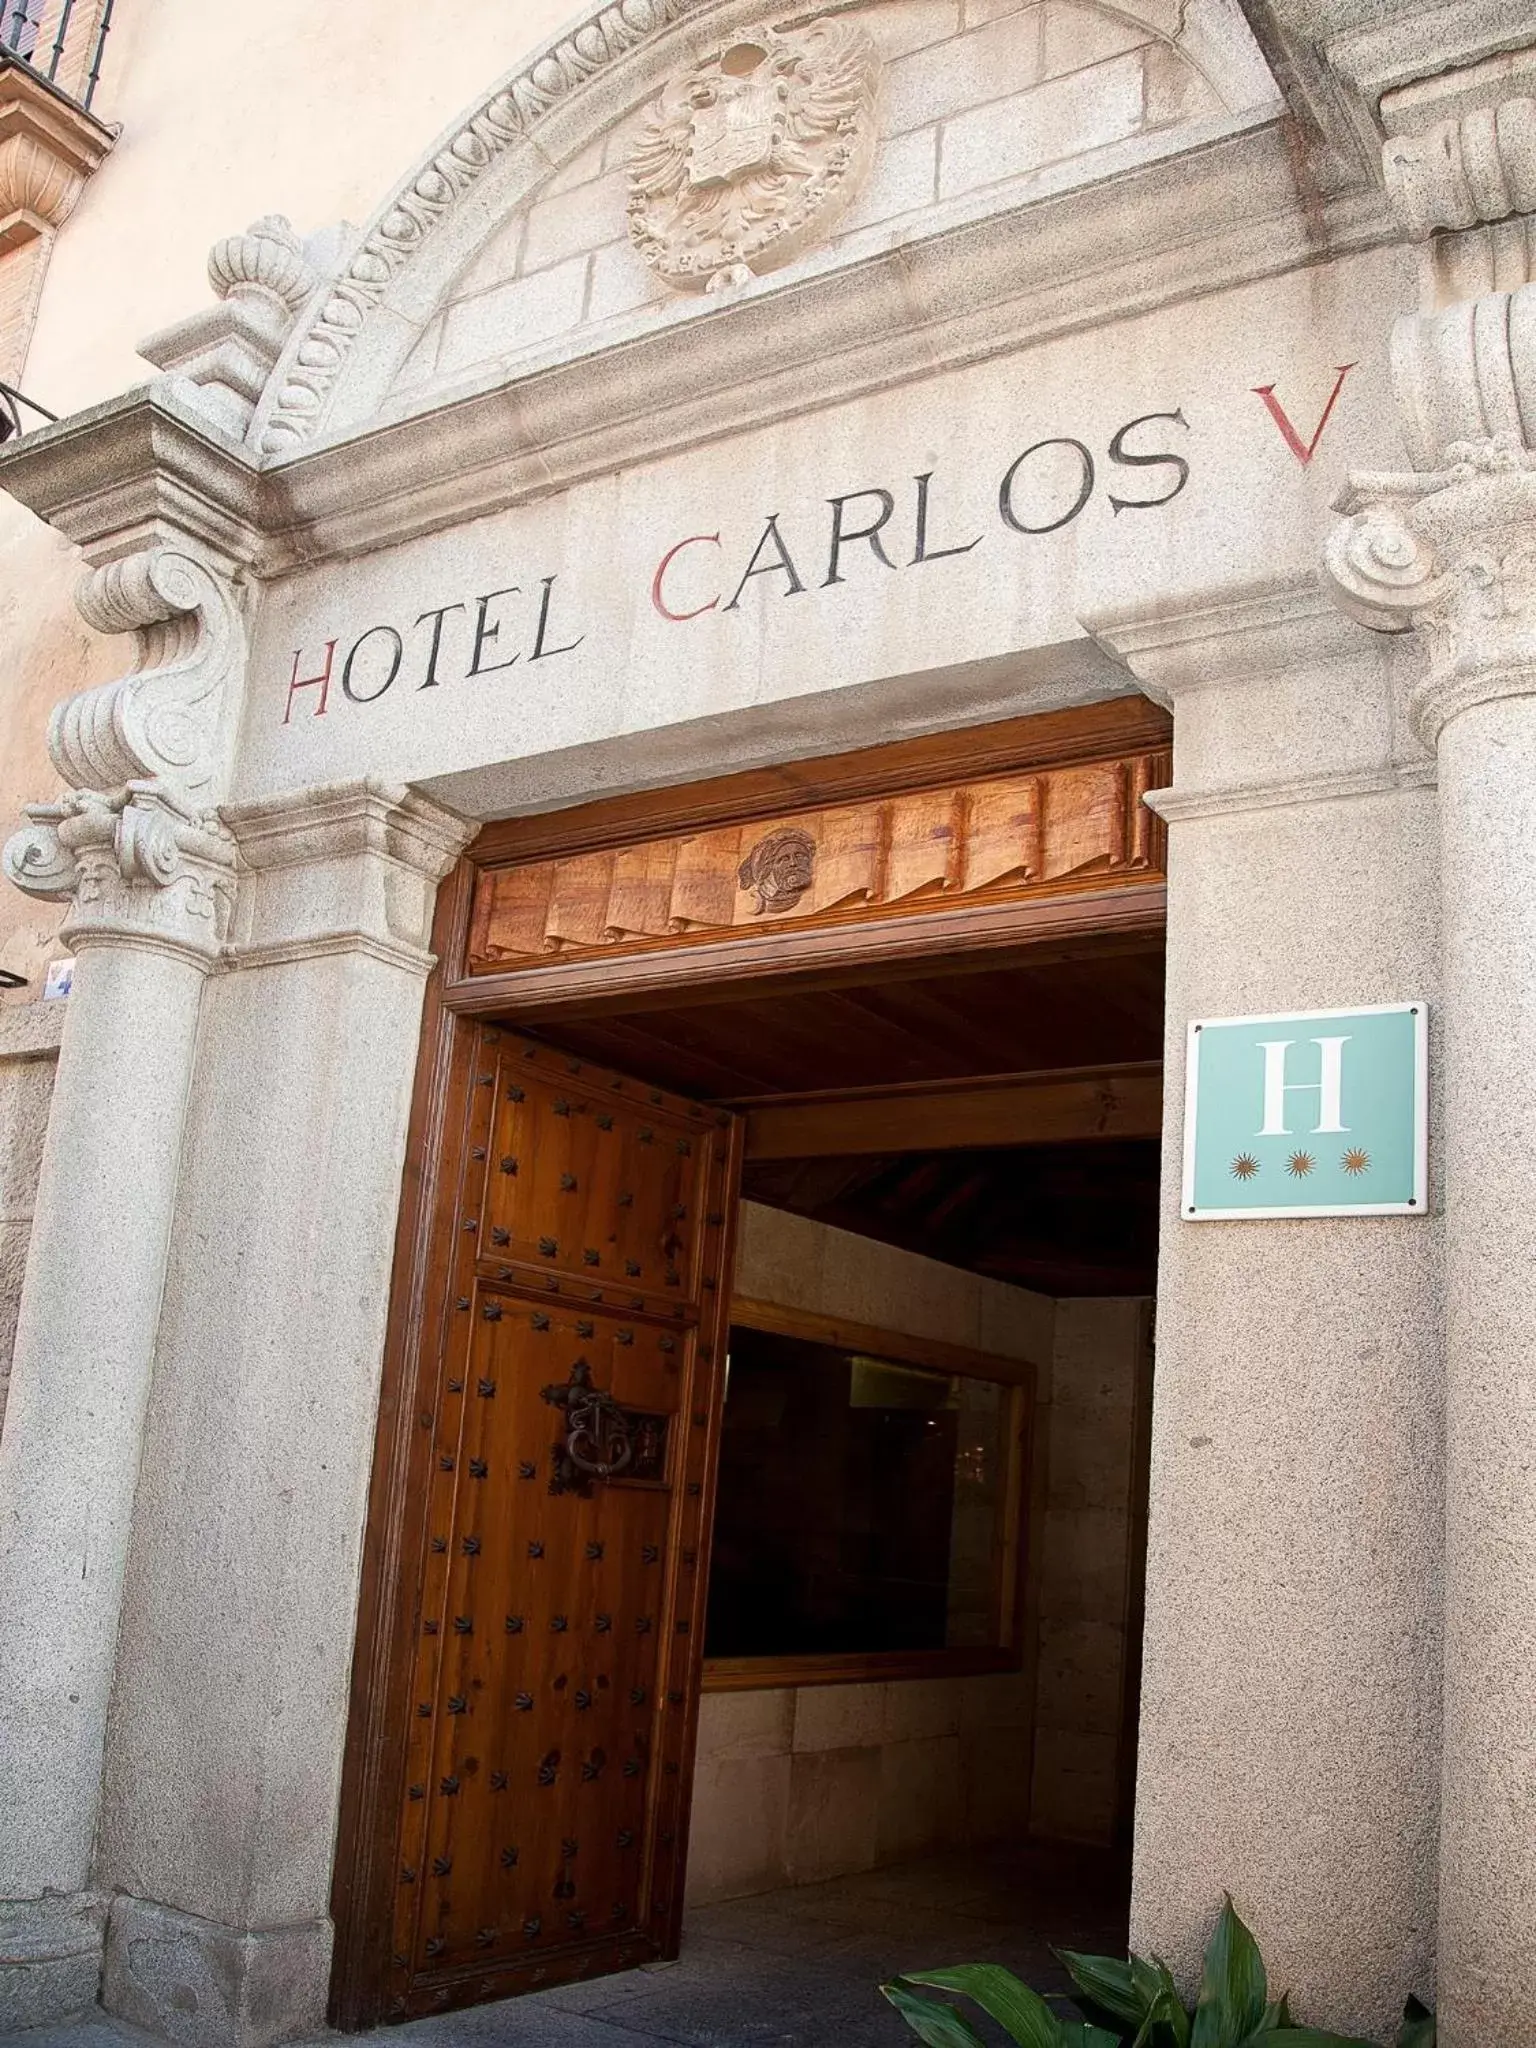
x=151, y=464
x=975, y=289
x=1405, y=44
x=342, y=819
x=347, y=869
x=1176, y=806
x=1283, y=640
x=1226, y=639
x=137, y=470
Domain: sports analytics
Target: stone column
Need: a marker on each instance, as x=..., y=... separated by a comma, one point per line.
x=1290, y=1705
x=228, y=1723
x=1454, y=552
x=151, y=891
x=1450, y=548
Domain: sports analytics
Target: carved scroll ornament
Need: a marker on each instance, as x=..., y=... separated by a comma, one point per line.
x=1464, y=364
x=753, y=154
x=147, y=759
x=167, y=717
x=1453, y=553
x=1479, y=166
x=1025, y=834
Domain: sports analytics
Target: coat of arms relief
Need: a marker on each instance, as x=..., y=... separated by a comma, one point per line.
x=751, y=156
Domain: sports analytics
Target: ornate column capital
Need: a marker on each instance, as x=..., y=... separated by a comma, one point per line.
x=1452, y=552
x=136, y=844
x=134, y=867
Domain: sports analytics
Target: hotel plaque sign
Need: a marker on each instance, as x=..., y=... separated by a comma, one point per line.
x=1310, y=1113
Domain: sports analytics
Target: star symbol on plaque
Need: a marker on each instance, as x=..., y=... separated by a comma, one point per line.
x=1356, y=1160
x=1245, y=1166
x=1299, y=1165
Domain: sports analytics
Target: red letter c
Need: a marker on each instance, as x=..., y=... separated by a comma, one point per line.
x=678, y=618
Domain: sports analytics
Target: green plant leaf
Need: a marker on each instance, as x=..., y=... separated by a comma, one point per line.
x=1418, y=2028
x=1084, y=2034
x=1233, y=1989
x=1135, y=1994
x=1276, y=2014
x=940, y=2026
x=1025, y=2014
x=1112, y=1986
x=1171, y=2012
x=1166, y=2018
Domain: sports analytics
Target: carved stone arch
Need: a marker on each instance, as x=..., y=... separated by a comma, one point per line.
x=350, y=343
x=352, y=338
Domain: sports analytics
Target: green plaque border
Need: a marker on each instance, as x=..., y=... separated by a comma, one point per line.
x=1418, y=1205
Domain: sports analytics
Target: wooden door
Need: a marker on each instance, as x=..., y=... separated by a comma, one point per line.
x=545, y=1732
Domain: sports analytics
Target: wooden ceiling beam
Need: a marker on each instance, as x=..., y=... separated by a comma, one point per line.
x=1027, y=1109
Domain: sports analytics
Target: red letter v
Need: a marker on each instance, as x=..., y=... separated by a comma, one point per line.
x=1302, y=450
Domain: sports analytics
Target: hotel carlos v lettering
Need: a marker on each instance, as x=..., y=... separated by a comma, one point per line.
x=1043, y=489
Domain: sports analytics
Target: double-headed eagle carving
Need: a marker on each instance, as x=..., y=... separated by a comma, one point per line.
x=753, y=154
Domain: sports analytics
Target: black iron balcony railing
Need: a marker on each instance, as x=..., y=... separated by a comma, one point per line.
x=12, y=405
x=61, y=40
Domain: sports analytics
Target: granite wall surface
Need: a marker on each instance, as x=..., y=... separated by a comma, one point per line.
x=29, y=1045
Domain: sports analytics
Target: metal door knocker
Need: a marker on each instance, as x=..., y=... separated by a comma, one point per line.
x=599, y=1443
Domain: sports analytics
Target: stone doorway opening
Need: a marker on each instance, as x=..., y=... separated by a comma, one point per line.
x=828, y=1225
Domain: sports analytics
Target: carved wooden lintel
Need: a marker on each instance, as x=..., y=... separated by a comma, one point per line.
x=996, y=839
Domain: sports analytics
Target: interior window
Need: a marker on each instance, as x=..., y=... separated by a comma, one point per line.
x=863, y=1503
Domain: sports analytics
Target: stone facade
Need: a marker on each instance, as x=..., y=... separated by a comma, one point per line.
x=1175, y=348
x=30, y=1038
x=968, y=101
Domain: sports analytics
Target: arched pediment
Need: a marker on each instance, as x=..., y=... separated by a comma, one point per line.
x=509, y=244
